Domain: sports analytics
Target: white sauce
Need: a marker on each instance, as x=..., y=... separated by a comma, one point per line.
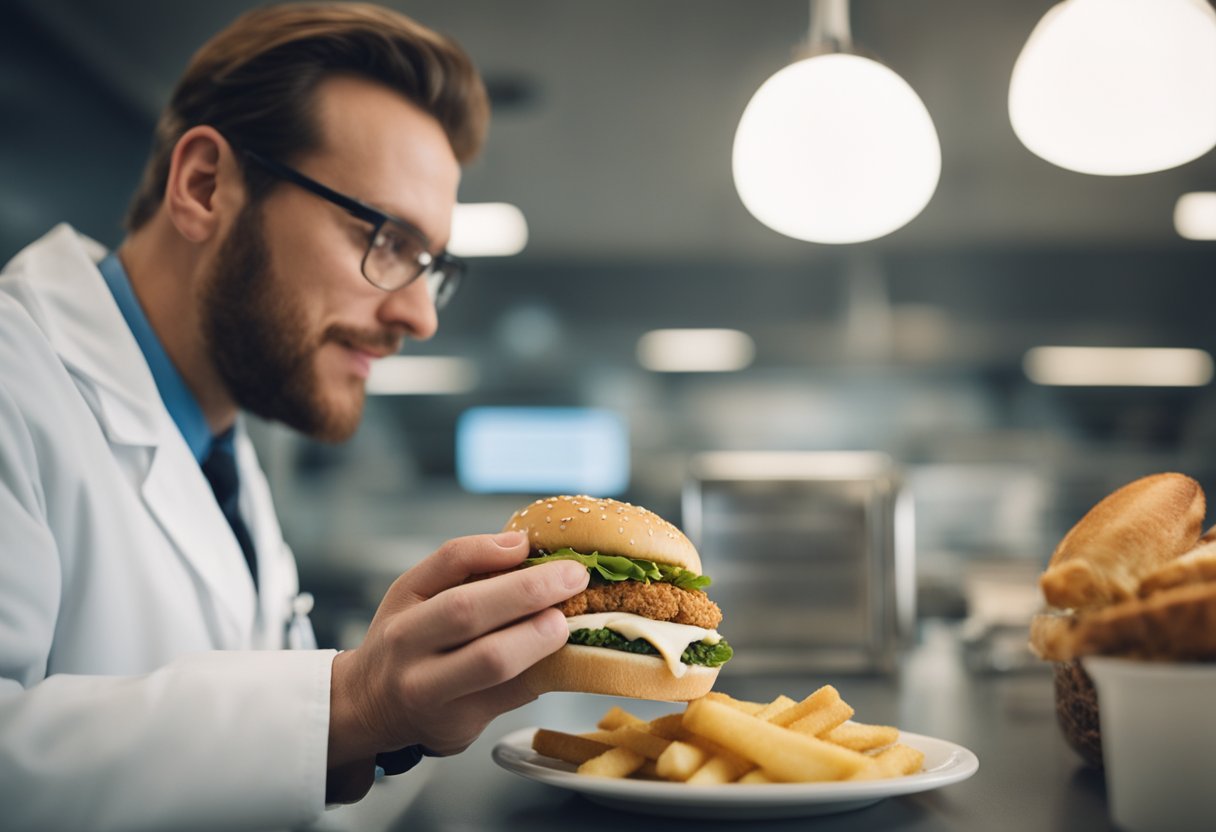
x=668, y=638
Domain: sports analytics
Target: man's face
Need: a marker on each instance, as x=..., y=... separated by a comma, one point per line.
x=291, y=323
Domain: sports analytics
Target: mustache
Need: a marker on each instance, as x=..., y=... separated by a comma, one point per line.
x=372, y=340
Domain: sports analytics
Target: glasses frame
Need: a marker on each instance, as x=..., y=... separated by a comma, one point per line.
x=448, y=267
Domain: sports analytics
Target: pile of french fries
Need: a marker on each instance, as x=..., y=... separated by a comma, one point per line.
x=718, y=739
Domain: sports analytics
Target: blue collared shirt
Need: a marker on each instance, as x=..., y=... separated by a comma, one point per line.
x=178, y=399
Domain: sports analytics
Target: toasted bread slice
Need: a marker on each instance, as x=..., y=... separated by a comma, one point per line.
x=1124, y=537
x=1177, y=624
x=1197, y=566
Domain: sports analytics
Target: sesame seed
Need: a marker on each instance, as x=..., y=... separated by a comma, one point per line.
x=631, y=541
x=585, y=510
x=523, y=513
x=567, y=519
x=562, y=527
x=650, y=532
x=548, y=519
x=620, y=529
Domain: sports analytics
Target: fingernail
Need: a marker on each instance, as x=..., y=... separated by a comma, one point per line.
x=509, y=540
x=574, y=575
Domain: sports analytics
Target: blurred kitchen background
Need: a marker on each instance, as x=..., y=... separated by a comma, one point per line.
x=612, y=132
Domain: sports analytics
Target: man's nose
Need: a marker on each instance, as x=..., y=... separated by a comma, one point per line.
x=411, y=308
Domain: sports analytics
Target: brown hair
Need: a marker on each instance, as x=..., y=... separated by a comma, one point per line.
x=254, y=82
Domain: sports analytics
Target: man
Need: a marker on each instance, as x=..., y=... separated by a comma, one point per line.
x=289, y=231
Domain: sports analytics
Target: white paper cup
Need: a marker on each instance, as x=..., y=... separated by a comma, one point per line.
x=1158, y=742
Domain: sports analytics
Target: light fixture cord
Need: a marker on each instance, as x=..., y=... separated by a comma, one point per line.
x=829, y=29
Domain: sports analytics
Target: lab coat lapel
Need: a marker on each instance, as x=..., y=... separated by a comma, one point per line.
x=179, y=496
x=87, y=330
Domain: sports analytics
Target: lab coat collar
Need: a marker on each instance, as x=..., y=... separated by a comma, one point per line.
x=87, y=330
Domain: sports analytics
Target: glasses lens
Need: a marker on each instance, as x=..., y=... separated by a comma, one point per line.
x=395, y=256
x=444, y=279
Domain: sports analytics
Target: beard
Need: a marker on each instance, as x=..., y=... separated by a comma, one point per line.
x=255, y=330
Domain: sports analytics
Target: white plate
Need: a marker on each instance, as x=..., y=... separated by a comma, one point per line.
x=945, y=763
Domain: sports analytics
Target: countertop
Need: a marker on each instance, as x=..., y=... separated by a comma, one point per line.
x=1028, y=778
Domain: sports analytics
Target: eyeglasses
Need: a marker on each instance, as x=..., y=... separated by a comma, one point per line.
x=397, y=252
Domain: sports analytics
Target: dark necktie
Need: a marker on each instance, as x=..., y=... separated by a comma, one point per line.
x=220, y=469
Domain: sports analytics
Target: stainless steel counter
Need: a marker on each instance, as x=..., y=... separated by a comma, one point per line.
x=1028, y=778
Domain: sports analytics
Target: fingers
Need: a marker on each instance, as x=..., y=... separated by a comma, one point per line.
x=462, y=613
x=492, y=659
x=476, y=711
x=456, y=561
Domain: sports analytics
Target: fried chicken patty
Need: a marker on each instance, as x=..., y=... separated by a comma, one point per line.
x=660, y=601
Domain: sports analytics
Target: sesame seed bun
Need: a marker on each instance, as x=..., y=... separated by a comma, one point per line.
x=610, y=527
x=616, y=673
x=597, y=524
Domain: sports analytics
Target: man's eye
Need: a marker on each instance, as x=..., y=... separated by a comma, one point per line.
x=393, y=243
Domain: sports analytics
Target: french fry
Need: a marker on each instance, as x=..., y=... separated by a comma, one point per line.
x=567, y=747
x=615, y=762
x=783, y=755
x=680, y=760
x=647, y=771
x=899, y=760
x=870, y=771
x=737, y=704
x=755, y=776
x=861, y=737
x=820, y=699
x=669, y=727
x=724, y=767
x=638, y=740
x=617, y=717
x=719, y=739
x=823, y=720
x=778, y=706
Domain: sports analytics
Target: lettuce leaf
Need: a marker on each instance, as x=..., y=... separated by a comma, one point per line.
x=698, y=653
x=618, y=568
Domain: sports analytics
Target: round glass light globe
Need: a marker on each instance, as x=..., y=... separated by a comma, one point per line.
x=836, y=149
x=1118, y=87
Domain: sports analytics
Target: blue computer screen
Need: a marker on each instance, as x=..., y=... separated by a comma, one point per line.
x=560, y=450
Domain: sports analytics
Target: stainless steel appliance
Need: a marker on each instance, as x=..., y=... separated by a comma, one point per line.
x=811, y=555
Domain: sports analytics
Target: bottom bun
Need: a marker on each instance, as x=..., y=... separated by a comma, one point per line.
x=583, y=669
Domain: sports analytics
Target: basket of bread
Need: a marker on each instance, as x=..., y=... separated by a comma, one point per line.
x=1131, y=597
x=1136, y=578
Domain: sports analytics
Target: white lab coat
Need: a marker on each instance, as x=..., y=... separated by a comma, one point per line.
x=141, y=684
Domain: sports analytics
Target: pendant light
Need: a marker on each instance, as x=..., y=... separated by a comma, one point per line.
x=835, y=147
x=1118, y=87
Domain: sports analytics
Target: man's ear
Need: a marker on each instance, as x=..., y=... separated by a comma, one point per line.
x=204, y=180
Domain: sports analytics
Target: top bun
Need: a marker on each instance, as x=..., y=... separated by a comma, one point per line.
x=1127, y=535
x=598, y=524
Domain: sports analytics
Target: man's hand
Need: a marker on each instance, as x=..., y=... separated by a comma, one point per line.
x=441, y=655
